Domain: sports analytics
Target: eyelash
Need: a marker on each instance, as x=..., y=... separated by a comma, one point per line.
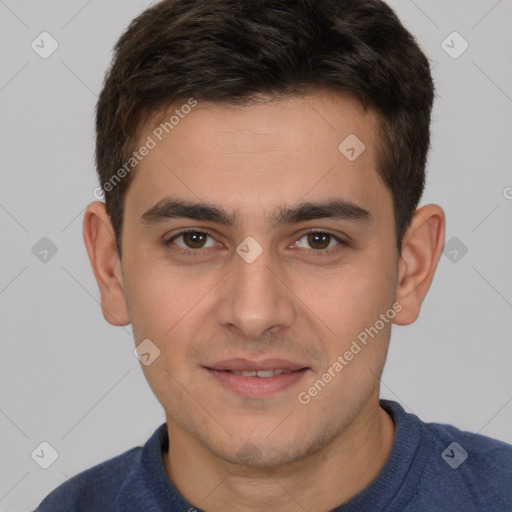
x=197, y=252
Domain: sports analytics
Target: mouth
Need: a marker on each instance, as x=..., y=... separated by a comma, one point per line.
x=263, y=374
x=257, y=378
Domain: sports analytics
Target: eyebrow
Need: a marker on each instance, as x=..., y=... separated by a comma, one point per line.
x=169, y=208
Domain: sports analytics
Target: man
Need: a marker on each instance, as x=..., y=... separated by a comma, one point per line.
x=262, y=165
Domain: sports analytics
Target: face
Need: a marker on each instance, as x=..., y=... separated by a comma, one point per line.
x=260, y=274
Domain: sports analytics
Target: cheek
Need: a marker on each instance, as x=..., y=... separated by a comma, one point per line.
x=166, y=308
x=350, y=298
x=156, y=294
x=149, y=307
x=357, y=295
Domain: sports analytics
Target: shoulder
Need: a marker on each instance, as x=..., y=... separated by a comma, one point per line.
x=481, y=452
x=95, y=488
x=466, y=466
x=449, y=468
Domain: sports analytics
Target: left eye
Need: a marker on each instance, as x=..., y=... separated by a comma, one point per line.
x=319, y=240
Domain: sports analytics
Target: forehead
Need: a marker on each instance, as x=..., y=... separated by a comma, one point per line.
x=280, y=124
x=265, y=155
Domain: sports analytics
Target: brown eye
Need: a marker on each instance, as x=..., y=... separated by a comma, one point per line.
x=191, y=240
x=319, y=241
x=194, y=239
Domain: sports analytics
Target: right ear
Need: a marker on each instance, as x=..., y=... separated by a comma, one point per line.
x=101, y=247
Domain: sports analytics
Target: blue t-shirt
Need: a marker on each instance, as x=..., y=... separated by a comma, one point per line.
x=432, y=467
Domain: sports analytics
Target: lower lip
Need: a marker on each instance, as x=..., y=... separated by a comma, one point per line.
x=257, y=387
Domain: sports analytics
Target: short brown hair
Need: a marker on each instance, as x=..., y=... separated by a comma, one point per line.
x=230, y=51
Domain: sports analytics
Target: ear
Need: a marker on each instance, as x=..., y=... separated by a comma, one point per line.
x=421, y=249
x=99, y=240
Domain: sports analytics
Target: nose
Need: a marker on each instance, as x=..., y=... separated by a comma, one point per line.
x=256, y=297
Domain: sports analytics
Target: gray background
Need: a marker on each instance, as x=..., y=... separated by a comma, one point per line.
x=70, y=379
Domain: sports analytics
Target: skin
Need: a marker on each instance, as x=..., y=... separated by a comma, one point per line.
x=229, y=452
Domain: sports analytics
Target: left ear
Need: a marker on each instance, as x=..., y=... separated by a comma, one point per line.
x=421, y=249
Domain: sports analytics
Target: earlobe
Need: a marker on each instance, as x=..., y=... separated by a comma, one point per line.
x=99, y=240
x=421, y=250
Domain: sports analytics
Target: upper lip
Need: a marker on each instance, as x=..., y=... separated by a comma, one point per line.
x=241, y=365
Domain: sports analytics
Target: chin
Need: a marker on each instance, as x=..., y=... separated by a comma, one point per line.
x=262, y=452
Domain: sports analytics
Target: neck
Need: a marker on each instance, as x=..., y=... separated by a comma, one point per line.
x=320, y=481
